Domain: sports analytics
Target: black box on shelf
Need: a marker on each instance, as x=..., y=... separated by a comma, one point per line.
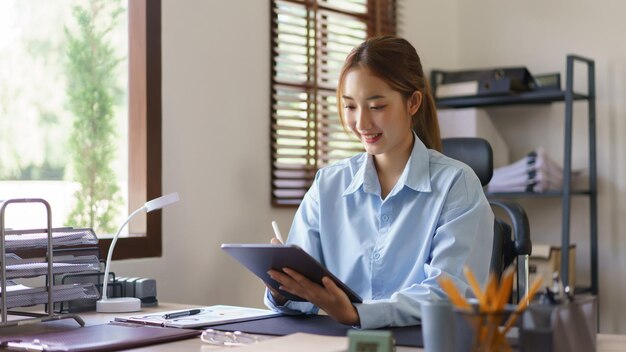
x=497, y=81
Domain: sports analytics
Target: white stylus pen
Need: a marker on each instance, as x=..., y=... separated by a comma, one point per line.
x=277, y=232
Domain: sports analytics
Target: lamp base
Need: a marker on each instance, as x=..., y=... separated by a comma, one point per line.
x=118, y=305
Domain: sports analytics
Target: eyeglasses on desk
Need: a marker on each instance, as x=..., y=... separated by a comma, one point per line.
x=227, y=338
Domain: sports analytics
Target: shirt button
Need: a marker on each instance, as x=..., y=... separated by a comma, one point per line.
x=377, y=256
x=385, y=217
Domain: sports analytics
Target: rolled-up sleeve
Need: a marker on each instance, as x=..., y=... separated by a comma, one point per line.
x=304, y=233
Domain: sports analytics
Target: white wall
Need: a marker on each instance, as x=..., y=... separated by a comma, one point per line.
x=216, y=127
x=432, y=27
x=216, y=150
x=539, y=34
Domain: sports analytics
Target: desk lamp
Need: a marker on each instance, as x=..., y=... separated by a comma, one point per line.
x=128, y=304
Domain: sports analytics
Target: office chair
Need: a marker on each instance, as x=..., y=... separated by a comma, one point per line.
x=510, y=242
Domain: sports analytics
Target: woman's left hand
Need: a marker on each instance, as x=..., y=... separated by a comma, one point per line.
x=328, y=297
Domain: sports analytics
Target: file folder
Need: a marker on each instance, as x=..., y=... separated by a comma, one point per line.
x=105, y=337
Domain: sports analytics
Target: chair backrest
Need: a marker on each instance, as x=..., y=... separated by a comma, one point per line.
x=475, y=152
x=509, y=242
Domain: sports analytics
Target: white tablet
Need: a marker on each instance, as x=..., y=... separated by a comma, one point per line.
x=260, y=258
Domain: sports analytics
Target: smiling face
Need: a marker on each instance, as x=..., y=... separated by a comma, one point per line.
x=378, y=115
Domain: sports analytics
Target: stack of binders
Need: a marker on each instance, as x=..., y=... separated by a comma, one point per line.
x=486, y=82
x=535, y=172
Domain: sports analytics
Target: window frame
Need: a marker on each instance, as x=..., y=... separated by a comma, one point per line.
x=286, y=179
x=145, y=118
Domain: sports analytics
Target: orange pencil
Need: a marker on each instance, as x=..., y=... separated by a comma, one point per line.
x=491, y=291
x=471, y=279
x=455, y=296
x=523, y=303
x=505, y=290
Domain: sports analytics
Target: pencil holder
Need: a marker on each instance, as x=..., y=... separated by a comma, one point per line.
x=481, y=331
x=569, y=326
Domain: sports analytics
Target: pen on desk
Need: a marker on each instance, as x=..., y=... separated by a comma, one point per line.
x=277, y=232
x=182, y=314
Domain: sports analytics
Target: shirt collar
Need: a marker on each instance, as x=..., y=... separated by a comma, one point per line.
x=416, y=174
x=365, y=176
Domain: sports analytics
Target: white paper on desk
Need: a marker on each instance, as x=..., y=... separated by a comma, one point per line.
x=297, y=342
x=210, y=315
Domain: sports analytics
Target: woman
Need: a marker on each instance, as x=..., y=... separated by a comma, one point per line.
x=391, y=221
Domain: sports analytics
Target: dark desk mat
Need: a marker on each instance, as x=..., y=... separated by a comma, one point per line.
x=316, y=324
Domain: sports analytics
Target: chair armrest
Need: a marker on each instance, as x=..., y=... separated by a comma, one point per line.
x=519, y=221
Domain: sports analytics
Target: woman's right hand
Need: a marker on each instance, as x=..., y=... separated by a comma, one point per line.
x=278, y=298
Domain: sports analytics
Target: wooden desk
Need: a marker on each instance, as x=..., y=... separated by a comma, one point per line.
x=606, y=342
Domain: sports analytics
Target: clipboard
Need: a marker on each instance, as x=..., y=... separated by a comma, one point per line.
x=260, y=258
x=104, y=337
x=205, y=316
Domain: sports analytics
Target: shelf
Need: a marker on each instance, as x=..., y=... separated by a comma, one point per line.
x=568, y=96
x=549, y=194
x=581, y=290
x=531, y=97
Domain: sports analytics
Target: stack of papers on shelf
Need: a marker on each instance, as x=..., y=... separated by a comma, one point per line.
x=60, y=237
x=201, y=316
x=31, y=267
x=37, y=269
x=535, y=172
x=22, y=296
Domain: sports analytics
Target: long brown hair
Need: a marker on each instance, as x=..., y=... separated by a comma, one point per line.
x=395, y=61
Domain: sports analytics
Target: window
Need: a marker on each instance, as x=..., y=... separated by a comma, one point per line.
x=36, y=117
x=310, y=40
x=145, y=112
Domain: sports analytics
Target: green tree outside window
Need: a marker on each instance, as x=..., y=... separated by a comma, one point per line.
x=92, y=94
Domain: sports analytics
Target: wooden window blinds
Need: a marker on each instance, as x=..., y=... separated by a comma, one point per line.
x=310, y=40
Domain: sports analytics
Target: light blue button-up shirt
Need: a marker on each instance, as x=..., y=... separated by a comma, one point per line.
x=434, y=221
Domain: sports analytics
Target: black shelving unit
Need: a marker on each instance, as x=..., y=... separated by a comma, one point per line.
x=568, y=96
